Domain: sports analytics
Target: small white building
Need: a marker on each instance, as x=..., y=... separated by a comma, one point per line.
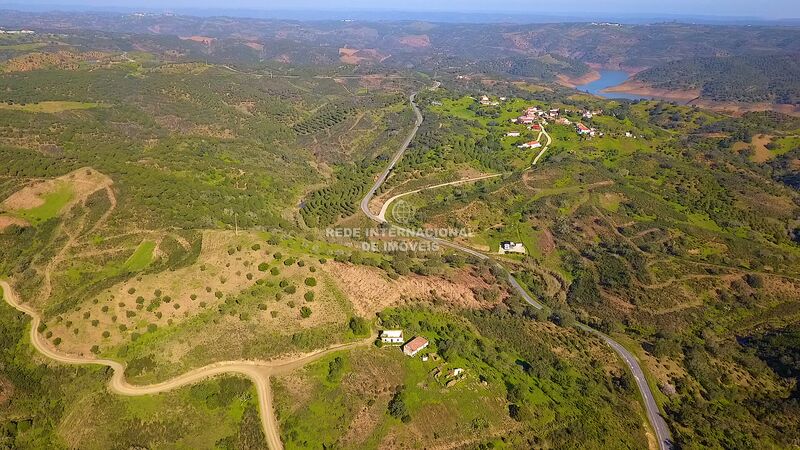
x=393, y=337
x=531, y=144
x=511, y=247
x=513, y=134
x=527, y=120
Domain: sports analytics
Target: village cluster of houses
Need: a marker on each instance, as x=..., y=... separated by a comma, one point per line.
x=533, y=114
x=535, y=118
x=16, y=32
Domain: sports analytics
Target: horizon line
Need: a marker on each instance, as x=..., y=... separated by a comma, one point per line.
x=587, y=15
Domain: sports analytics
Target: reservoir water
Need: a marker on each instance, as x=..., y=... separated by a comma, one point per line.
x=609, y=78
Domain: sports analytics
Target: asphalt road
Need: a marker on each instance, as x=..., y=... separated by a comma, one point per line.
x=657, y=422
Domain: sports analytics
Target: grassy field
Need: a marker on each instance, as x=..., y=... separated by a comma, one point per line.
x=379, y=398
x=22, y=47
x=141, y=258
x=219, y=413
x=54, y=203
x=786, y=144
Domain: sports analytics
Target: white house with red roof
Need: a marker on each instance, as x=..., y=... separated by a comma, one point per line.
x=531, y=144
x=527, y=120
x=414, y=346
x=583, y=129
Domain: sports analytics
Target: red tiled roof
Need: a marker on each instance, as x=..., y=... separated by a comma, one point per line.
x=415, y=344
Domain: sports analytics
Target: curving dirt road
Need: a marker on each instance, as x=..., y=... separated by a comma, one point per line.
x=385, y=207
x=257, y=371
x=657, y=422
x=544, y=149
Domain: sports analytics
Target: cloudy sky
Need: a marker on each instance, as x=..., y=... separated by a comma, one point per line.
x=772, y=9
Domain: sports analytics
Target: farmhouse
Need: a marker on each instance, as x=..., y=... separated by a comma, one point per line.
x=414, y=346
x=536, y=127
x=527, y=120
x=486, y=102
x=392, y=337
x=582, y=129
x=531, y=144
x=513, y=134
x=511, y=247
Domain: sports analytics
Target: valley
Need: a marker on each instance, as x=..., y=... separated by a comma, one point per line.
x=242, y=233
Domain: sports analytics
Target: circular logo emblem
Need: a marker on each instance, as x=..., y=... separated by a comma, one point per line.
x=402, y=212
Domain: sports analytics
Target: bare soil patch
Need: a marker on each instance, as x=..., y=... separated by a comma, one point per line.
x=572, y=82
x=7, y=221
x=6, y=391
x=205, y=40
x=639, y=88
x=547, y=244
x=416, y=40
x=370, y=290
x=759, y=143
x=83, y=182
x=358, y=56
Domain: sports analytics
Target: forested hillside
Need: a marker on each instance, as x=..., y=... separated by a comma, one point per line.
x=772, y=79
x=540, y=51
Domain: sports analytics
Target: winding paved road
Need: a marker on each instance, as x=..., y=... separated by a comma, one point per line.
x=657, y=422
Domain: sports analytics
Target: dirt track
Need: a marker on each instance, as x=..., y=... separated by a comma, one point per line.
x=257, y=371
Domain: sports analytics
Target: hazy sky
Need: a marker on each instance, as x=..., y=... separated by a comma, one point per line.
x=774, y=9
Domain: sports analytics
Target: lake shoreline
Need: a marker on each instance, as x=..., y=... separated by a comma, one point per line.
x=574, y=82
x=603, y=81
x=634, y=87
x=616, y=85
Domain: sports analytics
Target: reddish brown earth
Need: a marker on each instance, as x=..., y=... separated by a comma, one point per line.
x=416, y=40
